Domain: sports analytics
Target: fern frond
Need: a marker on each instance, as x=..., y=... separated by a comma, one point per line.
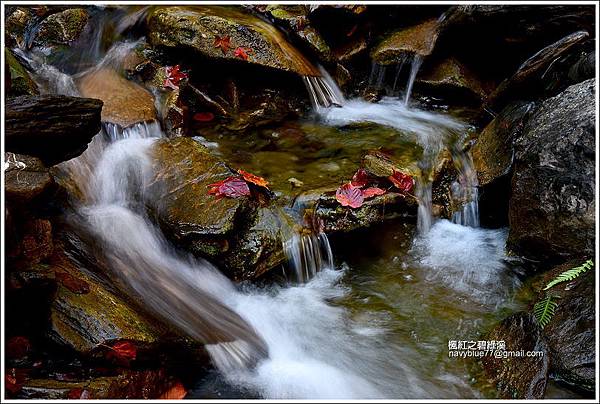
x=570, y=274
x=544, y=310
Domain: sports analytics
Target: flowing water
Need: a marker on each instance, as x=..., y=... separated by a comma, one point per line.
x=372, y=320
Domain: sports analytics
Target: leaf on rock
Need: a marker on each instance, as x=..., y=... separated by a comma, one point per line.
x=222, y=42
x=78, y=393
x=123, y=350
x=254, y=179
x=176, y=392
x=371, y=192
x=232, y=187
x=403, y=182
x=360, y=178
x=75, y=285
x=173, y=77
x=349, y=195
x=204, y=116
x=242, y=53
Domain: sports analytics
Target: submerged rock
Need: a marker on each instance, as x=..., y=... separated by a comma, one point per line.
x=452, y=77
x=248, y=38
x=125, y=102
x=52, y=128
x=416, y=40
x=552, y=206
x=62, y=28
x=519, y=377
x=528, y=81
x=19, y=81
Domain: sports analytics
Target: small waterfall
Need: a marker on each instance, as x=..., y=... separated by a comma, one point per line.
x=323, y=90
x=464, y=192
x=377, y=77
x=414, y=69
x=308, y=254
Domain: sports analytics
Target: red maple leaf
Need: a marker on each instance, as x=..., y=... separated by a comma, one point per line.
x=123, y=350
x=403, y=182
x=232, y=187
x=222, y=42
x=349, y=195
x=204, y=116
x=371, y=192
x=254, y=179
x=360, y=178
x=173, y=77
x=242, y=53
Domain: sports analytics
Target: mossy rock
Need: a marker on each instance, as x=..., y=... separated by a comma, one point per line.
x=19, y=78
x=62, y=28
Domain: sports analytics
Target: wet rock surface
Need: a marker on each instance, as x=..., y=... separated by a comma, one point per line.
x=26, y=178
x=61, y=28
x=552, y=209
x=452, y=77
x=52, y=128
x=19, y=81
x=416, y=40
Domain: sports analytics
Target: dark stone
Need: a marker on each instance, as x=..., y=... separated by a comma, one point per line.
x=26, y=178
x=519, y=377
x=52, y=128
x=552, y=206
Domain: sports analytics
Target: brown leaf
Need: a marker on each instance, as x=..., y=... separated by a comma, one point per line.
x=349, y=195
x=223, y=43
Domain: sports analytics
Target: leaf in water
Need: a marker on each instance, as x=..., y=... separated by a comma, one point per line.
x=232, y=187
x=204, y=116
x=254, y=179
x=371, y=192
x=360, y=178
x=242, y=53
x=349, y=195
x=223, y=43
x=177, y=392
x=75, y=285
x=403, y=182
x=174, y=76
x=18, y=347
x=123, y=350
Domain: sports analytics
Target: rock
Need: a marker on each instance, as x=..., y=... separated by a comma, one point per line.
x=197, y=29
x=234, y=233
x=552, y=206
x=19, y=82
x=86, y=316
x=125, y=102
x=571, y=331
x=18, y=22
x=52, y=128
x=451, y=77
x=382, y=165
x=26, y=178
x=36, y=244
x=493, y=152
x=519, y=377
x=416, y=40
x=61, y=28
x=529, y=79
x=127, y=384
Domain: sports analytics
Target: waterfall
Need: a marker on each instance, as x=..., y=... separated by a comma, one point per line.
x=308, y=254
x=323, y=90
x=414, y=69
x=377, y=77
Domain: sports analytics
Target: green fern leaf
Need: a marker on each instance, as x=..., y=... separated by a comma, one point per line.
x=570, y=274
x=544, y=310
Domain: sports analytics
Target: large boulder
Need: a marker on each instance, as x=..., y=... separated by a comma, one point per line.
x=125, y=102
x=519, y=377
x=529, y=79
x=552, y=206
x=61, y=28
x=52, y=128
x=235, y=233
x=200, y=28
x=416, y=40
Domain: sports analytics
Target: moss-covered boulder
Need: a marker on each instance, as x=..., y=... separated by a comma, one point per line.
x=19, y=81
x=415, y=40
x=248, y=39
x=61, y=28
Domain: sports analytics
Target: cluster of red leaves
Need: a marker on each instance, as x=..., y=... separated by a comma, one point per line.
x=173, y=77
x=176, y=392
x=355, y=192
x=122, y=352
x=236, y=186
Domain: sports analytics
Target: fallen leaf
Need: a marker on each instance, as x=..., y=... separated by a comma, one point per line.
x=123, y=350
x=223, y=43
x=75, y=285
x=17, y=347
x=371, y=192
x=11, y=384
x=78, y=393
x=173, y=77
x=242, y=53
x=403, y=182
x=349, y=195
x=254, y=179
x=177, y=392
x=232, y=187
x=360, y=178
x=204, y=116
